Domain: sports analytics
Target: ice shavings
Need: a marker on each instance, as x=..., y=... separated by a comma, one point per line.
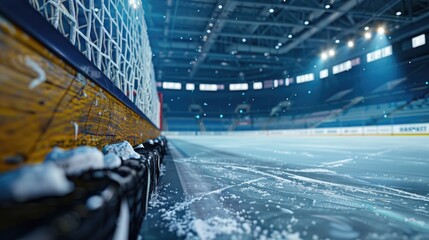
x=140, y=146
x=255, y=190
x=77, y=160
x=123, y=149
x=212, y=227
x=111, y=160
x=162, y=170
x=34, y=181
x=182, y=205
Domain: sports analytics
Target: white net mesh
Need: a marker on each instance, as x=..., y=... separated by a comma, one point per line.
x=112, y=34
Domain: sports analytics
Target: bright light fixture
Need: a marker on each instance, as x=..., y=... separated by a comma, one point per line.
x=220, y=6
x=350, y=44
x=337, y=41
x=135, y=3
x=327, y=6
x=271, y=10
x=368, y=35
x=243, y=40
x=381, y=30
x=398, y=13
x=366, y=28
x=331, y=52
x=290, y=36
x=306, y=22
x=324, y=56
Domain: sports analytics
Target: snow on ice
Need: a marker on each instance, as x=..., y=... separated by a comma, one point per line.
x=123, y=149
x=111, y=160
x=234, y=186
x=77, y=160
x=34, y=181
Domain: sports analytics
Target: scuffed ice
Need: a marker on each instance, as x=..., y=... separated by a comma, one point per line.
x=294, y=188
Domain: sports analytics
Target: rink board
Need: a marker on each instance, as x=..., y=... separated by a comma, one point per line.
x=420, y=129
x=45, y=102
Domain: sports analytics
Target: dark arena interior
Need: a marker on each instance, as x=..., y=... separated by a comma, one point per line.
x=214, y=119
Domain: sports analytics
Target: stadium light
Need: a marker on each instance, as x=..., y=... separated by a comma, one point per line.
x=331, y=52
x=381, y=30
x=350, y=44
x=135, y=3
x=324, y=56
x=368, y=35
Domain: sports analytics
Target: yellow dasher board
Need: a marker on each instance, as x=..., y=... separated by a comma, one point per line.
x=46, y=102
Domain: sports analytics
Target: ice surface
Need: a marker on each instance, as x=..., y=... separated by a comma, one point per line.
x=123, y=149
x=293, y=188
x=34, y=181
x=77, y=160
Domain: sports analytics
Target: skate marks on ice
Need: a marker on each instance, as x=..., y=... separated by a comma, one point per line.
x=237, y=196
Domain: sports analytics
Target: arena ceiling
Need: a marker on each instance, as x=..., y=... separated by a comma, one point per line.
x=246, y=40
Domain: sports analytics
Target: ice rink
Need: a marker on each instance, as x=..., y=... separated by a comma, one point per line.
x=257, y=187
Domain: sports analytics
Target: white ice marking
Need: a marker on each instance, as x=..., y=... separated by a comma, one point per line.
x=308, y=154
x=403, y=194
x=40, y=72
x=379, y=153
x=336, y=163
x=285, y=210
x=312, y=170
x=230, y=186
x=262, y=173
x=400, y=193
